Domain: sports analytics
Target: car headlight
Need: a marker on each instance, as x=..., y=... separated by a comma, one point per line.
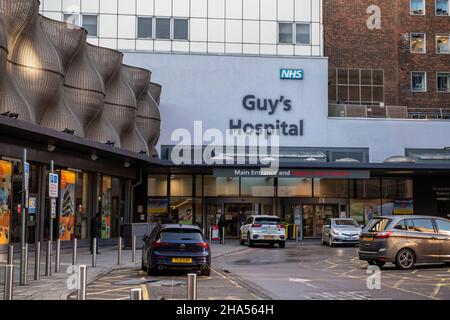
x=334, y=232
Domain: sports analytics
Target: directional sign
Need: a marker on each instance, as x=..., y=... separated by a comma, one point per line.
x=298, y=217
x=53, y=208
x=53, y=185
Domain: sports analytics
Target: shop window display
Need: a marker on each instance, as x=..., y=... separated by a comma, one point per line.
x=67, y=205
x=5, y=201
x=106, y=201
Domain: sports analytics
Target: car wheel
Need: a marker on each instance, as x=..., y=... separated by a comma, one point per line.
x=249, y=242
x=282, y=244
x=405, y=259
x=143, y=267
x=330, y=241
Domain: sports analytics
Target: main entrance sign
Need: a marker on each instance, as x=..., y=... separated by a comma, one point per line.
x=293, y=173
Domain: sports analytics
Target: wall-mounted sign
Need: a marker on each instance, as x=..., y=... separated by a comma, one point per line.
x=53, y=185
x=291, y=74
x=293, y=173
x=32, y=205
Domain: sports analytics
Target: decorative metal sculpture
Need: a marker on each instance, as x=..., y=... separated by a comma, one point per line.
x=49, y=75
x=148, y=118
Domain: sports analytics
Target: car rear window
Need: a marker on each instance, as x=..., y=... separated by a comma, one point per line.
x=270, y=221
x=345, y=223
x=378, y=224
x=180, y=235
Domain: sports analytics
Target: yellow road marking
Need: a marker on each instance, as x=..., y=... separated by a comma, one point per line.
x=145, y=295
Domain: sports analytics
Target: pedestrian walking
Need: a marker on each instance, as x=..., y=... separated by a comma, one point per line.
x=96, y=227
x=222, y=224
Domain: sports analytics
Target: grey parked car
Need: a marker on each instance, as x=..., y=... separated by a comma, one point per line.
x=341, y=231
x=405, y=241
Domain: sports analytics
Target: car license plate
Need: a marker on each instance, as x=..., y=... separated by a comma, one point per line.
x=269, y=237
x=367, y=239
x=182, y=260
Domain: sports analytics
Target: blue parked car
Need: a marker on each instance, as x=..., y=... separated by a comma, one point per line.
x=176, y=246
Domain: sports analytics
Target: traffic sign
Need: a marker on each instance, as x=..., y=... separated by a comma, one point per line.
x=53, y=208
x=53, y=185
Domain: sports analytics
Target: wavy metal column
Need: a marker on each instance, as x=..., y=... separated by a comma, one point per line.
x=34, y=66
x=148, y=117
x=68, y=41
x=14, y=16
x=107, y=63
x=138, y=79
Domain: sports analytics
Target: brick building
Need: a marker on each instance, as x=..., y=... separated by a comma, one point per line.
x=393, y=52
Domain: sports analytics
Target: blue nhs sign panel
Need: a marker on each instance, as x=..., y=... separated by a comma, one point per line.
x=291, y=74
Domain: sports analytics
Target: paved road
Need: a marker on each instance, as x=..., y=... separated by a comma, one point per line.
x=313, y=271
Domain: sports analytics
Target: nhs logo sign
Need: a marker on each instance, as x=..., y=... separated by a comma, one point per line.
x=291, y=74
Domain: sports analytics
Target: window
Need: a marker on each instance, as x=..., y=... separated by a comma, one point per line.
x=378, y=224
x=145, y=27
x=180, y=29
x=285, y=33
x=418, y=81
x=417, y=7
x=360, y=86
x=443, y=44
x=423, y=225
x=404, y=225
x=443, y=226
x=302, y=32
x=443, y=82
x=418, y=43
x=90, y=23
x=162, y=28
x=442, y=7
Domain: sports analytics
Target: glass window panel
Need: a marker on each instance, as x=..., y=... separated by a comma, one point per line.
x=377, y=78
x=303, y=33
x=366, y=77
x=417, y=42
x=354, y=94
x=157, y=185
x=257, y=187
x=330, y=188
x=332, y=93
x=363, y=210
x=366, y=94
x=285, y=32
x=221, y=186
x=294, y=187
x=353, y=76
x=423, y=225
x=378, y=94
x=417, y=6
x=162, y=28
x=181, y=185
x=397, y=188
x=342, y=76
x=181, y=210
x=342, y=94
x=418, y=81
x=443, y=82
x=145, y=27
x=365, y=188
x=181, y=29
x=442, y=7
x=90, y=24
x=443, y=44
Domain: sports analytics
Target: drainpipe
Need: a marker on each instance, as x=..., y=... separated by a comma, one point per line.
x=132, y=194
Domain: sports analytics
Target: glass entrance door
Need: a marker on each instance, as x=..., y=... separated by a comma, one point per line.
x=314, y=217
x=234, y=215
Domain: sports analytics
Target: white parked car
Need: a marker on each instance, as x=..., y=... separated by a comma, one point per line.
x=341, y=231
x=263, y=229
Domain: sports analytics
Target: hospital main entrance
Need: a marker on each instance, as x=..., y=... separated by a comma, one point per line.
x=236, y=211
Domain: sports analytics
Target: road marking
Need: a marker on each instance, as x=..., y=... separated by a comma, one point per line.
x=227, y=278
x=398, y=283
x=145, y=295
x=304, y=281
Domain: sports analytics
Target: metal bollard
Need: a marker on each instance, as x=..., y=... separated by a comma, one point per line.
x=210, y=235
x=119, y=251
x=82, y=280
x=223, y=235
x=58, y=256
x=94, y=252
x=10, y=254
x=37, y=261
x=48, y=259
x=8, y=286
x=25, y=277
x=192, y=286
x=136, y=294
x=74, y=253
x=133, y=249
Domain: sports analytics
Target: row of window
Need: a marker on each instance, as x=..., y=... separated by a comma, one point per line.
x=417, y=7
x=419, y=81
x=418, y=43
x=178, y=28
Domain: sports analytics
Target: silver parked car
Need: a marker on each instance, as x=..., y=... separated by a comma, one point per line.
x=341, y=231
x=405, y=241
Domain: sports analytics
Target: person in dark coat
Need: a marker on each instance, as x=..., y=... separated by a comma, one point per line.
x=222, y=224
x=96, y=227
